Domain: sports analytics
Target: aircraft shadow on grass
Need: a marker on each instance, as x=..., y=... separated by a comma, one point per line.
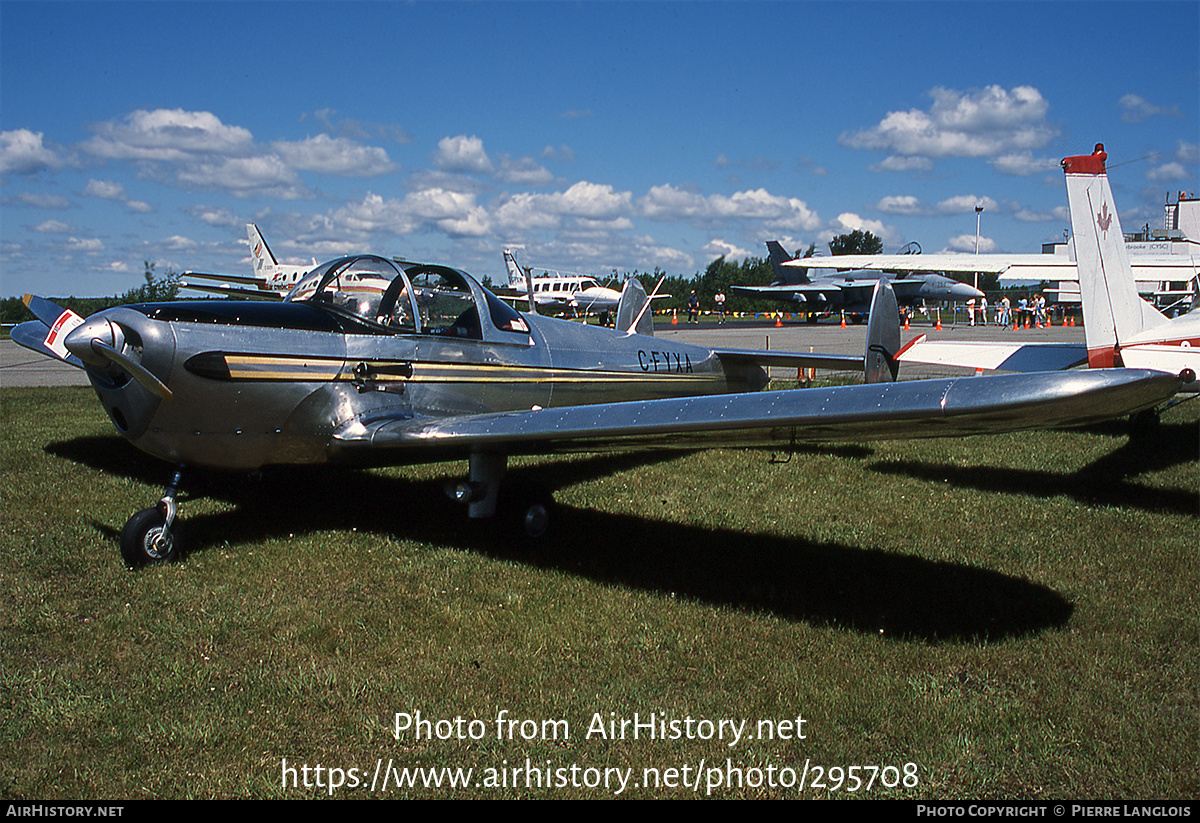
x=1104, y=482
x=863, y=590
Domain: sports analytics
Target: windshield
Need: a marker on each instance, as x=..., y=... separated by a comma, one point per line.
x=356, y=286
x=422, y=298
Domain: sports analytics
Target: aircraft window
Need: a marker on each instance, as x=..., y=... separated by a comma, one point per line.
x=357, y=286
x=307, y=287
x=505, y=317
x=446, y=304
x=589, y=284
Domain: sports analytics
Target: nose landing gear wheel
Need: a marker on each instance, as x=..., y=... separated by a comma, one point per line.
x=146, y=539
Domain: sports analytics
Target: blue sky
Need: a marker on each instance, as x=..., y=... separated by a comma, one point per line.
x=590, y=136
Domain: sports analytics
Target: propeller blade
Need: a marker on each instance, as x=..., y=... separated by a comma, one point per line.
x=134, y=369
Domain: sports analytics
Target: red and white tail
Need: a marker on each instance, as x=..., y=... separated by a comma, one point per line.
x=266, y=267
x=1112, y=310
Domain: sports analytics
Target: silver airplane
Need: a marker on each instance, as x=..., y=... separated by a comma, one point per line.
x=436, y=367
x=848, y=291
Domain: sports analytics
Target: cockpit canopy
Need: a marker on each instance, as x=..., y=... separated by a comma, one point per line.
x=412, y=298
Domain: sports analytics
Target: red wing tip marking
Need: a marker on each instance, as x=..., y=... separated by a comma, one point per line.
x=909, y=345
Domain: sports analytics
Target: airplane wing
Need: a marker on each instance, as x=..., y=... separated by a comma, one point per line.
x=799, y=293
x=872, y=411
x=233, y=291
x=245, y=280
x=1033, y=266
x=1010, y=266
x=994, y=356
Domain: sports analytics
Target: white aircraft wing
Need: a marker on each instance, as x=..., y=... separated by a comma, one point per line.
x=1052, y=265
x=1010, y=266
x=245, y=280
x=994, y=356
x=233, y=291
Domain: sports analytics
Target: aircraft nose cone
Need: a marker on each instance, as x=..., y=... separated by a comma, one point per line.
x=79, y=341
x=965, y=291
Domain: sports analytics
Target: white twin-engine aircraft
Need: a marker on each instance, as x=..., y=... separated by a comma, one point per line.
x=578, y=292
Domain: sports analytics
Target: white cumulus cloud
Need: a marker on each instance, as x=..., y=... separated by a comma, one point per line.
x=462, y=154
x=168, y=134
x=982, y=123
x=22, y=152
x=335, y=155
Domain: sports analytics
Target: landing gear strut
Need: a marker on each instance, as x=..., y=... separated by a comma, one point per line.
x=527, y=509
x=152, y=535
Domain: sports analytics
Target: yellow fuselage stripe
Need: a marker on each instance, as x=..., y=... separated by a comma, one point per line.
x=251, y=367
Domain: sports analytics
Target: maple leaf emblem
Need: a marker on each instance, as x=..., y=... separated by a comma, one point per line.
x=1103, y=218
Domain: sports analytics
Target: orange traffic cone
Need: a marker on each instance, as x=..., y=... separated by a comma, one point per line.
x=778, y=321
x=843, y=320
x=675, y=317
x=1072, y=320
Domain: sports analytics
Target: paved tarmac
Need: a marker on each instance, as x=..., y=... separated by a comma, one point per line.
x=21, y=367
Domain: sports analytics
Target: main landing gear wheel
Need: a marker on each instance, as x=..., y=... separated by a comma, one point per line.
x=536, y=520
x=529, y=511
x=146, y=539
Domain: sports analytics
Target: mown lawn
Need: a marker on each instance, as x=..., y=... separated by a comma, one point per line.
x=994, y=617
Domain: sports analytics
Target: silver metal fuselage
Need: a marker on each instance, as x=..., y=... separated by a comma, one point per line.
x=255, y=384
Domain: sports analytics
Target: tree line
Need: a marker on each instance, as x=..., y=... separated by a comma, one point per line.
x=155, y=290
x=719, y=276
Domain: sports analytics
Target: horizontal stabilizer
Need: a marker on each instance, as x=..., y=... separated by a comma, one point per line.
x=792, y=359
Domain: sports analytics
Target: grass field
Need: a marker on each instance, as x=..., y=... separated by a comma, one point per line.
x=995, y=617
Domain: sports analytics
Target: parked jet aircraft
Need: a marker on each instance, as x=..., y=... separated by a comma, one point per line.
x=1165, y=261
x=576, y=292
x=438, y=368
x=1120, y=329
x=271, y=280
x=848, y=291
